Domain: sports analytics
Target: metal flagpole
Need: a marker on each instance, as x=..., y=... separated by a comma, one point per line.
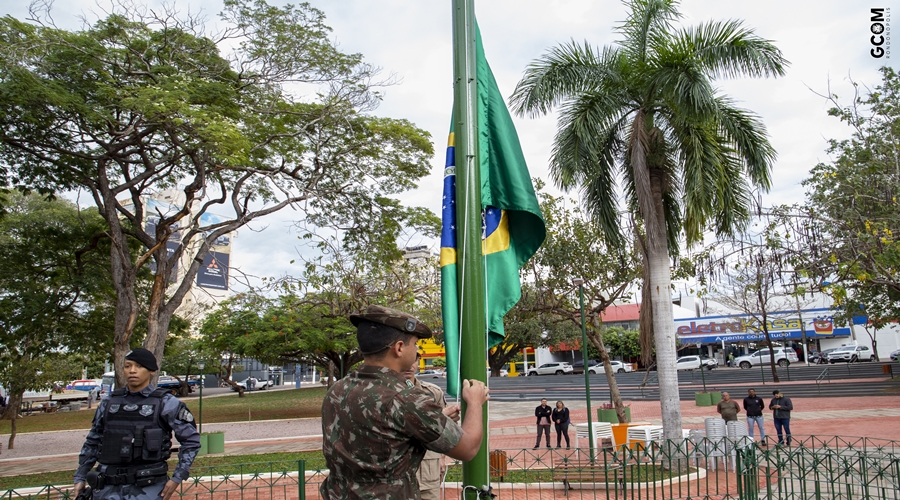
x=473, y=324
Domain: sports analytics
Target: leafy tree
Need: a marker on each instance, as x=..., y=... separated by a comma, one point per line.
x=646, y=110
x=530, y=324
x=223, y=335
x=51, y=283
x=142, y=101
x=577, y=248
x=848, y=230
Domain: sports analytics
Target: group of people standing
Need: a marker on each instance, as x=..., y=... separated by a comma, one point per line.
x=559, y=416
x=754, y=405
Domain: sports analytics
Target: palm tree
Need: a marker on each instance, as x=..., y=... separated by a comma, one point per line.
x=646, y=110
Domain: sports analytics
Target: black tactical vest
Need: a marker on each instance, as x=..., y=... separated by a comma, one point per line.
x=133, y=434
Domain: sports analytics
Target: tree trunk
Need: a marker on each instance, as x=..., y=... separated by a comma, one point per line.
x=664, y=336
x=614, y=393
x=12, y=413
x=650, y=186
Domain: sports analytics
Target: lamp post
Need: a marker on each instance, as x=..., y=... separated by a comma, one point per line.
x=584, y=356
x=201, y=365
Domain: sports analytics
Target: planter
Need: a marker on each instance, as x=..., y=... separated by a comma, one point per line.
x=604, y=415
x=217, y=442
x=715, y=397
x=204, y=444
x=702, y=399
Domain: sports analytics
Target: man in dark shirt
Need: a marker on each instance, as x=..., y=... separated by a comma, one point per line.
x=781, y=407
x=543, y=414
x=754, y=406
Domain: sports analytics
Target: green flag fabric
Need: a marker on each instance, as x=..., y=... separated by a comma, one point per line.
x=513, y=226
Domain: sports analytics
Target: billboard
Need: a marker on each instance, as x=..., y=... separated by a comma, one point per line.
x=214, y=271
x=782, y=325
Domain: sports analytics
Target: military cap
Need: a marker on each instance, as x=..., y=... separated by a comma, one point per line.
x=143, y=357
x=393, y=318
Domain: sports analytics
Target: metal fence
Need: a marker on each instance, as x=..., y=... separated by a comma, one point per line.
x=812, y=468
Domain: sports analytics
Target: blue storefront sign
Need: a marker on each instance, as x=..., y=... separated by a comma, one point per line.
x=783, y=325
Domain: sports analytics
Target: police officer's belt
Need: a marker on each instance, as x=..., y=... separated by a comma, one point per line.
x=143, y=475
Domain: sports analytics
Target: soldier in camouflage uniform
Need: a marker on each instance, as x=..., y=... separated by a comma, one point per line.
x=131, y=437
x=376, y=425
x=431, y=470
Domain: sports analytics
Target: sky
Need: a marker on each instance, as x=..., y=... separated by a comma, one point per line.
x=827, y=43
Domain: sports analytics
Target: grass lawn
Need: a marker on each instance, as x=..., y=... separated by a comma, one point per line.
x=258, y=405
x=203, y=465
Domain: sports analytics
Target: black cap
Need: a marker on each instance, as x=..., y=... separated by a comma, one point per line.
x=143, y=357
x=776, y=392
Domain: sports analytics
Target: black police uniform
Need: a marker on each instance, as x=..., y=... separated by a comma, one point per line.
x=131, y=438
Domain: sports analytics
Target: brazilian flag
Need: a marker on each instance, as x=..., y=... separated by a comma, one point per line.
x=513, y=228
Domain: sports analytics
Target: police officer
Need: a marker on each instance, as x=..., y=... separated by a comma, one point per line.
x=376, y=425
x=131, y=438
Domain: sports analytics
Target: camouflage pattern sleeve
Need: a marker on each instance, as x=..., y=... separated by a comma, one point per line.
x=180, y=419
x=419, y=415
x=91, y=449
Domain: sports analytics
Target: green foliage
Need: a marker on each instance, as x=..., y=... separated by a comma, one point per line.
x=138, y=103
x=851, y=219
x=53, y=293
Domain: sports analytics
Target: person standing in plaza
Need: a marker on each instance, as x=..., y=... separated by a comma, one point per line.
x=728, y=408
x=754, y=406
x=431, y=470
x=560, y=417
x=781, y=407
x=543, y=414
x=376, y=425
x=131, y=438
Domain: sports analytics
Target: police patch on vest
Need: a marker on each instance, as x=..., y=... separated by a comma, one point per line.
x=185, y=415
x=130, y=407
x=113, y=408
x=146, y=410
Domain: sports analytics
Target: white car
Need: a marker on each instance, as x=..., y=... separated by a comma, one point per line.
x=430, y=374
x=688, y=363
x=259, y=385
x=617, y=367
x=783, y=357
x=851, y=354
x=551, y=369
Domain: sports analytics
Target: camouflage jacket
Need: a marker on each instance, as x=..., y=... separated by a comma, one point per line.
x=376, y=426
x=174, y=417
x=438, y=396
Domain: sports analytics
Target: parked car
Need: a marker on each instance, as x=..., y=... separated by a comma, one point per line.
x=503, y=373
x=84, y=385
x=709, y=363
x=578, y=366
x=617, y=367
x=430, y=374
x=689, y=363
x=851, y=354
x=551, y=369
x=895, y=355
x=821, y=358
x=259, y=385
x=783, y=357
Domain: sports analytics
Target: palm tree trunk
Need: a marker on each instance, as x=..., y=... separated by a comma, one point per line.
x=664, y=334
x=649, y=186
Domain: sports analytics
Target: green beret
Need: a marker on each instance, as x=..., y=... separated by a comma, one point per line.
x=393, y=318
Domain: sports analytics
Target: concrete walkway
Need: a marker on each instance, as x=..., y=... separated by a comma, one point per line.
x=512, y=426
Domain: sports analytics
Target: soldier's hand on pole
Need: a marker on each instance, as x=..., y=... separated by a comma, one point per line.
x=474, y=392
x=78, y=489
x=169, y=490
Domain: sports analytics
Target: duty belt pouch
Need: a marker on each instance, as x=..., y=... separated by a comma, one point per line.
x=152, y=444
